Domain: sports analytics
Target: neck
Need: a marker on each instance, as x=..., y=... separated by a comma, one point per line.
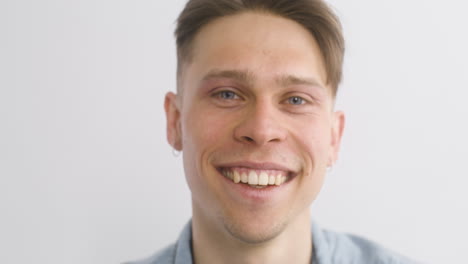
x=214, y=244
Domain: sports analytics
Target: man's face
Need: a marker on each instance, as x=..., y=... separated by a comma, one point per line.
x=254, y=107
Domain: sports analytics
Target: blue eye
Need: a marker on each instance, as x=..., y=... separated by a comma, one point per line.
x=296, y=100
x=227, y=95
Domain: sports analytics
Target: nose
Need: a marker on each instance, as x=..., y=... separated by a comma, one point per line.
x=260, y=125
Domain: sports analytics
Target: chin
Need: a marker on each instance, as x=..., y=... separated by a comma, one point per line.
x=255, y=233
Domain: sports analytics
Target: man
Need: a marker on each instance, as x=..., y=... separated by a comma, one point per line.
x=254, y=116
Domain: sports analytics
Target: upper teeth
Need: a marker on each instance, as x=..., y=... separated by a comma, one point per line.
x=255, y=177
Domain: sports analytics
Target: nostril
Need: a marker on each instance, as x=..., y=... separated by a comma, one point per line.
x=249, y=139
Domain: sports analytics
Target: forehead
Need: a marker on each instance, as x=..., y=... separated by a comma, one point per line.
x=265, y=45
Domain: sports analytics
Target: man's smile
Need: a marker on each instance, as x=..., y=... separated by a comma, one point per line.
x=255, y=178
x=258, y=175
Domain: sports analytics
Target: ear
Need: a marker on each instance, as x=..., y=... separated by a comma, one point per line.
x=173, y=127
x=338, y=124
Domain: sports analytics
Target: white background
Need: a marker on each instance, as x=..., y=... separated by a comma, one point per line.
x=86, y=175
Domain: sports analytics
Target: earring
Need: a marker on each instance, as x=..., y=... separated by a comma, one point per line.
x=175, y=153
x=329, y=169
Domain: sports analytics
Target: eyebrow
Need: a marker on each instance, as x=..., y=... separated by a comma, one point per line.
x=248, y=78
x=245, y=77
x=289, y=80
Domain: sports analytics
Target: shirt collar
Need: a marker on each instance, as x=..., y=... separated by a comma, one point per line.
x=183, y=252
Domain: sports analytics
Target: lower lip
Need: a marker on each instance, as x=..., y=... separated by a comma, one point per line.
x=268, y=193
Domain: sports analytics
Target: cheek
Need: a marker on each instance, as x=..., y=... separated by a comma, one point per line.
x=313, y=135
x=318, y=149
x=203, y=131
x=202, y=134
x=312, y=141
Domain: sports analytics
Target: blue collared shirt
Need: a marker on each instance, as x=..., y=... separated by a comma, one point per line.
x=328, y=248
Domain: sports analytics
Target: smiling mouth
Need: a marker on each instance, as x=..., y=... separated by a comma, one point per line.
x=255, y=178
